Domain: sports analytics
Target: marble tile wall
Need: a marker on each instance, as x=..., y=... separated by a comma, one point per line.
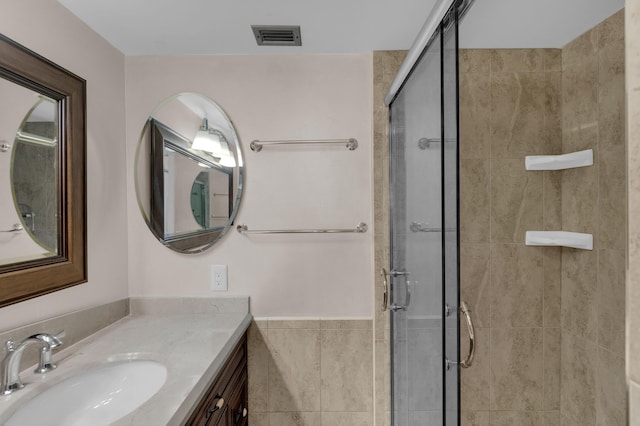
x=593, y=389
x=385, y=67
x=549, y=321
x=311, y=372
x=510, y=106
x=632, y=42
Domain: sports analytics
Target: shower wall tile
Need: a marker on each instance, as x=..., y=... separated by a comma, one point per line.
x=382, y=377
x=517, y=60
x=516, y=418
x=552, y=263
x=594, y=201
x=580, y=293
x=475, y=115
x=584, y=46
x=516, y=201
x=475, y=61
x=513, y=290
x=475, y=283
x=516, y=286
x=516, y=369
x=552, y=200
x=346, y=382
x=474, y=418
x=580, y=212
x=551, y=368
x=517, y=113
x=611, y=390
x=474, y=201
x=611, y=95
x=385, y=67
x=552, y=60
x=552, y=142
x=578, y=380
x=580, y=104
x=551, y=418
x=611, y=301
x=612, y=202
x=475, y=381
x=611, y=30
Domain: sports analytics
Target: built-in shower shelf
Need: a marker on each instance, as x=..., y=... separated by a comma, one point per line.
x=559, y=239
x=559, y=162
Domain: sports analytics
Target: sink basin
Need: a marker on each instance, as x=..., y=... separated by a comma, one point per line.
x=99, y=396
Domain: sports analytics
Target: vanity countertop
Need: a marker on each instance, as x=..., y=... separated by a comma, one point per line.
x=192, y=346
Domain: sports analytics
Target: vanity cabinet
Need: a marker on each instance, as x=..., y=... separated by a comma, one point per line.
x=225, y=402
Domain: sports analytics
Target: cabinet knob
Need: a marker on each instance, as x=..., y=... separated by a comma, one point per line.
x=244, y=413
x=216, y=406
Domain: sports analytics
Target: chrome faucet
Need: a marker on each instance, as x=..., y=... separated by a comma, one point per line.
x=11, y=364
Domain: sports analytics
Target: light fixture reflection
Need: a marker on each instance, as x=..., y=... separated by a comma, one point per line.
x=226, y=157
x=206, y=139
x=213, y=142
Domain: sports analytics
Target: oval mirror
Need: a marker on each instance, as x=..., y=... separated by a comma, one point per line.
x=34, y=177
x=189, y=173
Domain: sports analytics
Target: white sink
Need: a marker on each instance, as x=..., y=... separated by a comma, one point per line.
x=97, y=397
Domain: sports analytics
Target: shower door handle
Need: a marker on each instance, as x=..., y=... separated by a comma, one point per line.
x=466, y=363
x=385, y=286
x=407, y=302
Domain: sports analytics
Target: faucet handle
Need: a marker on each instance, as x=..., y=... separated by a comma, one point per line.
x=50, y=340
x=11, y=345
x=45, y=365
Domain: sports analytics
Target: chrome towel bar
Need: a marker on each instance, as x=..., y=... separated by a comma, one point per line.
x=351, y=144
x=361, y=228
x=16, y=228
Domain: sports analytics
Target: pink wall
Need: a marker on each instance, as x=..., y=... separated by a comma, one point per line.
x=268, y=97
x=271, y=97
x=49, y=29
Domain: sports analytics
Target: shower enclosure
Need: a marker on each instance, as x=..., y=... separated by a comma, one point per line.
x=424, y=269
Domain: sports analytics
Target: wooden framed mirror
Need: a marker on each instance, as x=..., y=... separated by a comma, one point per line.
x=43, y=245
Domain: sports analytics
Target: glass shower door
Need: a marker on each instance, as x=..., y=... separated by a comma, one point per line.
x=423, y=273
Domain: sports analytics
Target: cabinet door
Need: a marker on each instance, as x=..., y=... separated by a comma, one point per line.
x=237, y=412
x=215, y=413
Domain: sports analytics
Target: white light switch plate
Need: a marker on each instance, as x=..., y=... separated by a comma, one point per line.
x=219, y=277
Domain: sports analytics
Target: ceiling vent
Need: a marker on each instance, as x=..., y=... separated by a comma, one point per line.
x=277, y=35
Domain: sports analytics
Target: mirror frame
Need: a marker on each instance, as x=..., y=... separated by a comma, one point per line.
x=28, y=279
x=194, y=241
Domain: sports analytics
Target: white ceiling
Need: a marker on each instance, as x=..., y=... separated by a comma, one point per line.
x=172, y=27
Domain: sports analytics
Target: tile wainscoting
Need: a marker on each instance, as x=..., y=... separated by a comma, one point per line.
x=311, y=372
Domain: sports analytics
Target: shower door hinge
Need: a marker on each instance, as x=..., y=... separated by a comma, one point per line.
x=447, y=310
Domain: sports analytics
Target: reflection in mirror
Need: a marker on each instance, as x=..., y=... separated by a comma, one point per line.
x=42, y=175
x=189, y=173
x=31, y=188
x=34, y=174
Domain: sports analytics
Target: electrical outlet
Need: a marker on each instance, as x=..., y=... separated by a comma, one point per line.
x=219, y=277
